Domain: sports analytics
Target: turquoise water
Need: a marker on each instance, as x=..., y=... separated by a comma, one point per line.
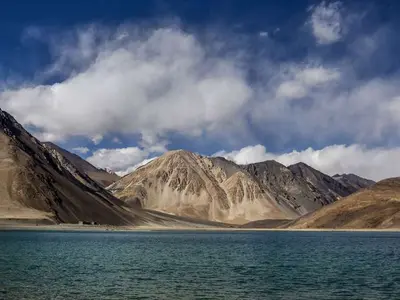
x=199, y=265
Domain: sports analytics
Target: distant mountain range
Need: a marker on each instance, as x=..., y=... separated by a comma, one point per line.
x=213, y=188
x=42, y=182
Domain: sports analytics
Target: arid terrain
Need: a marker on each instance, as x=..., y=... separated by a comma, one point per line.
x=43, y=184
x=213, y=188
x=374, y=207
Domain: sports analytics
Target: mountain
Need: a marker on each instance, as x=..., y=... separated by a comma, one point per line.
x=287, y=186
x=353, y=181
x=187, y=184
x=322, y=184
x=35, y=185
x=40, y=185
x=102, y=177
x=213, y=188
x=375, y=207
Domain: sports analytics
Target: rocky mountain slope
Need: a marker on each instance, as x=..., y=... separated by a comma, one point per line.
x=353, y=182
x=375, y=207
x=101, y=176
x=35, y=184
x=285, y=185
x=187, y=184
x=40, y=185
x=213, y=188
x=328, y=188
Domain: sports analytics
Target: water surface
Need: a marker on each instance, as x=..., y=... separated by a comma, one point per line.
x=199, y=265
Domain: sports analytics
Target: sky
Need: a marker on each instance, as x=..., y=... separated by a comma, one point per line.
x=121, y=82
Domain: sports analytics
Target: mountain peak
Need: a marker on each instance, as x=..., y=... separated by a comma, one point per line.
x=187, y=184
x=301, y=165
x=180, y=152
x=100, y=176
x=269, y=162
x=9, y=125
x=353, y=181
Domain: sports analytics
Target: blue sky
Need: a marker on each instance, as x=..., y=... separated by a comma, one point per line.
x=120, y=82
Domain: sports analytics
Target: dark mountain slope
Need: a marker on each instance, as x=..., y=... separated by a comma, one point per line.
x=353, y=181
x=321, y=183
x=101, y=176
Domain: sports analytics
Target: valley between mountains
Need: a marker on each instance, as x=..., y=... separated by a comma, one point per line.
x=42, y=183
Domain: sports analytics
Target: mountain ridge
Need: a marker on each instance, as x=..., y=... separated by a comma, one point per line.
x=101, y=176
x=185, y=183
x=269, y=188
x=377, y=206
x=40, y=186
x=40, y=182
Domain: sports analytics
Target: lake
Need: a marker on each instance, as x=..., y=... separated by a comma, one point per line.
x=199, y=265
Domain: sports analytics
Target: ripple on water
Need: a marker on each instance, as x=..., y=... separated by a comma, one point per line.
x=201, y=265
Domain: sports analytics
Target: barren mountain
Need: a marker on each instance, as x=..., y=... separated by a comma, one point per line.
x=212, y=188
x=101, y=176
x=322, y=184
x=352, y=181
x=286, y=186
x=37, y=185
x=375, y=207
x=187, y=184
x=40, y=185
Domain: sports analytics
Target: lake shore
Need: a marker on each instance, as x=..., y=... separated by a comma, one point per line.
x=78, y=227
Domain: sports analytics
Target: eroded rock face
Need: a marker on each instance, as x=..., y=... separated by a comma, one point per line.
x=329, y=188
x=213, y=188
x=287, y=187
x=188, y=184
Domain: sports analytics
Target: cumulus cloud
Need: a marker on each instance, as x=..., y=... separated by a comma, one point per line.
x=247, y=155
x=291, y=89
x=316, y=76
x=326, y=22
x=149, y=84
x=298, y=82
x=372, y=163
x=165, y=84
x=82, y=150
x=136, y=166
x=118, y=160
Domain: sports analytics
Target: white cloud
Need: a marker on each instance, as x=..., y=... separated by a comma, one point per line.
x=165, y=83
x=138, y=165
x=263, y=34
x=375, y=163
x=154, y=83
x=82, y=150
x=291, y=89
x=247, y=155
x=97, y=139
x=314, y=76
x=326, y=22
x=118, y=160
x=297, y=82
